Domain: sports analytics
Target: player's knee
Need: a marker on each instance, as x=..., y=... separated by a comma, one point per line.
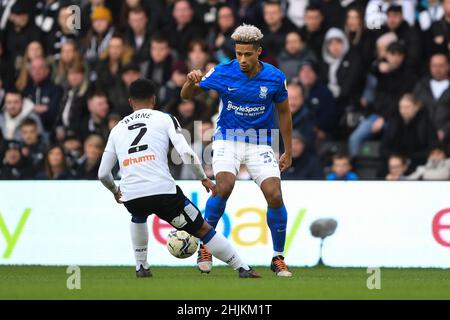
x=274, y=199
x=224, y=190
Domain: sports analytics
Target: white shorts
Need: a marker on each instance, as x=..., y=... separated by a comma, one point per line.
x=259, y=159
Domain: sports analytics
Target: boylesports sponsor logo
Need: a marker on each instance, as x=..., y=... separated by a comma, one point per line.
x=131, y=161
x=246, y=109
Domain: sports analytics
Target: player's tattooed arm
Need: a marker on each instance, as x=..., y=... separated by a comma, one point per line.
x=191, y=87
x=285, y=117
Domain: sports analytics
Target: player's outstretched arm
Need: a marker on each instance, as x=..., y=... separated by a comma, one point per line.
x=191, y=87
x=109, y=159
x=284, y=114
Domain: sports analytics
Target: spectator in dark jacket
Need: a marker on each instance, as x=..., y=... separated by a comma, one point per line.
x=409, y=35
x=87, y=168
x=74, y=102
x=219, y=39
x=118, y=94
x=14, y=165
x=410, y=132
x=158, y=67
x=360, y=38
x=434, y=92
x=293, y=54
x=302, y=119
x=305, y=165
x=318, y=100
x=33, y=144
x=394, y=79
x=439, y=38
x=184, y=27
x=249, y=11
x=138, y=35
x=44, y=93
x=19, y=31
x=97, y=120
x=313, y=32
x=55, y=165
x=275, y=28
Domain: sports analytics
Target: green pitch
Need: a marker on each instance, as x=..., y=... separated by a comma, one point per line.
x=34, y=282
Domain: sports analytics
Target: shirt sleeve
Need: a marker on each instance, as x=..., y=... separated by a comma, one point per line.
x=110, y=144
x=281, y=93
x=211, y=80
x=186, y=153
x=108, y=162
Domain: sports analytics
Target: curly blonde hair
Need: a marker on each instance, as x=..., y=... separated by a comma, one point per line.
x=247, y=33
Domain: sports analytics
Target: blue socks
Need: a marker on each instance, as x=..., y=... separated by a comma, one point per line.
x=277, y=221
x=211, y=233
x=215, y=207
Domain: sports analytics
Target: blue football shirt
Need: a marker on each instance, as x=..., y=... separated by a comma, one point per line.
x=247, y=105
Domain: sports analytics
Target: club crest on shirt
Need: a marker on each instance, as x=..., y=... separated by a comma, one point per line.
x=263, y=92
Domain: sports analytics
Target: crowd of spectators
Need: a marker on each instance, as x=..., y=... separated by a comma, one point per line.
x=368, y=80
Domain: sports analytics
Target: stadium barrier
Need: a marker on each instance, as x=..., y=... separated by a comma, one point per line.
x=379, y=224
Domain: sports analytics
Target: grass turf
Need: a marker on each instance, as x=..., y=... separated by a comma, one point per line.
x=36, y=282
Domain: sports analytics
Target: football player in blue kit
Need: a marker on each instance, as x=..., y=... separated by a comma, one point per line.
x=250, y=92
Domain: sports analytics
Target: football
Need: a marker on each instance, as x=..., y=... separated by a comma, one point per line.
x=181, y=244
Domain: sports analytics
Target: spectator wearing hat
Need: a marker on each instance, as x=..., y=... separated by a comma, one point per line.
x=19, y=31
x=293, y=54
x=313, y=32
x=44, y=93
x=16, y=110
x=439, y=36
x=318, y=100
x=393, y=79
x=409, y=35
x=14, y=165
x=97, y=39
x=275, y=28
x=341, y=69
x=434, y=92
x=34, y=145
x=159, y=67
x=55, y=165
x=118, y=93
x=305, y=164
x=302, y=119
x=184, y=27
